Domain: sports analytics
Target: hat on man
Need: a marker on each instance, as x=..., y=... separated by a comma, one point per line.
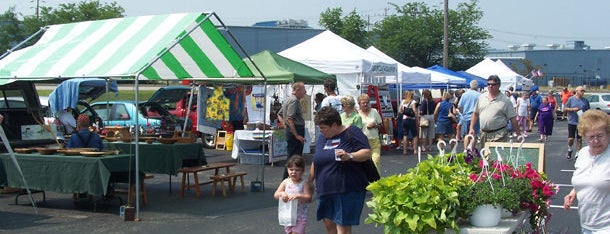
x=534, y=88
x=83, y=118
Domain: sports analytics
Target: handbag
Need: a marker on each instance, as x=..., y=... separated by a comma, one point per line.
x=368, y=166
x=408, y=111
x=287, y=212
x=370, y=169
x=423, y=122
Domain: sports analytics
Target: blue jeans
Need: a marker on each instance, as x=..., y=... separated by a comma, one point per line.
x=294, y=147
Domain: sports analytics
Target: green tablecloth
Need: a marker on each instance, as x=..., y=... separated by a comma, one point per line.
x=64, y=174
x=163, y=158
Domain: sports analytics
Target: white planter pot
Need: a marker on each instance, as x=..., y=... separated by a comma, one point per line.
x=486, y=216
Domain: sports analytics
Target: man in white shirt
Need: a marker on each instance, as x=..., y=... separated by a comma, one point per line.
x=67, y=119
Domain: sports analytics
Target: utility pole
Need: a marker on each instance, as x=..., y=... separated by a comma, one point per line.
x=446, y=36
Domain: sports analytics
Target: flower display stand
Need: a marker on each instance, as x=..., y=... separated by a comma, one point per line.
x=507, y=225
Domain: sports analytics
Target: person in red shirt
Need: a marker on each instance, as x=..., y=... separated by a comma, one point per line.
x=565, y=95
x=553, y=101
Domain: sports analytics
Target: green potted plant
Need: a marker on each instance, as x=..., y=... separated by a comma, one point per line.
x=423, y=199
x=492, y=192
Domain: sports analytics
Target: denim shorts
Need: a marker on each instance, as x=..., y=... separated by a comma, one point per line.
x=343, y=208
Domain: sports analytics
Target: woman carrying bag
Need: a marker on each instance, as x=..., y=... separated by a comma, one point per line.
x=426, y=111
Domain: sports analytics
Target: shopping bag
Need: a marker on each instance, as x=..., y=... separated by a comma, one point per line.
x=423, y=122
x=287, y=212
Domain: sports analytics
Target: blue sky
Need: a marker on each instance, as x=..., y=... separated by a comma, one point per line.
x=511, y=22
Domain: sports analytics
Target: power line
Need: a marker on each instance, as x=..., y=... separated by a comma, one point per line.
x=546, y=36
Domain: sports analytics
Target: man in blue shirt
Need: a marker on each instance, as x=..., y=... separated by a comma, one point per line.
x=466, y=106
x=535, y=101
x=575, y=106
x=84, y=138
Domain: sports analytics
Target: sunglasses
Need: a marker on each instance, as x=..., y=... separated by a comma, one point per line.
x=492, y=84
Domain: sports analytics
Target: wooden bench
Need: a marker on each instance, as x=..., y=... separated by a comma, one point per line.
x=227, y=177
x=196, y=169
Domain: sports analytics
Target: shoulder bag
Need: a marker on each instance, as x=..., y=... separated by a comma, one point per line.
x=423, y=122
x=368, y=166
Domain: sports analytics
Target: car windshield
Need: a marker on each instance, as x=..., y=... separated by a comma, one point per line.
x=606, y=97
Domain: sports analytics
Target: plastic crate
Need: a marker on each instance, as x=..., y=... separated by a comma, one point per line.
x=253, y=156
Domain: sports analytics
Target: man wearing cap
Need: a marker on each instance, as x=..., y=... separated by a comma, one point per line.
x=84, y=138
x=493, y=110
x=575, y=106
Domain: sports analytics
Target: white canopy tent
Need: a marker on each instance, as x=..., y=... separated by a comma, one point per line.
x=405, y=74
x=508, y=77
x=351, y=64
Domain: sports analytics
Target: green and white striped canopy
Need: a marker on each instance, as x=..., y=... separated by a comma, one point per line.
x=166, y=47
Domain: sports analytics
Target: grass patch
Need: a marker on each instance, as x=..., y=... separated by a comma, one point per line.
x=123, y=95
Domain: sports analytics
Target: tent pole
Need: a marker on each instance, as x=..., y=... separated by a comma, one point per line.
x=137, y=147
x=8, y=147
x=9, y=51
x=188, y=109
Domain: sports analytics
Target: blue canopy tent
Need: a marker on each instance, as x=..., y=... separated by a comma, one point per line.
x=482, y=81
x=447, y=71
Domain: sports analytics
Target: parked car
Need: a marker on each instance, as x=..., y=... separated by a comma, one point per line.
x=599, y=101
x=152, y=118
x=20, y=106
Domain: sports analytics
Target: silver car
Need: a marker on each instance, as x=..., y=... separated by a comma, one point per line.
x=599, y=101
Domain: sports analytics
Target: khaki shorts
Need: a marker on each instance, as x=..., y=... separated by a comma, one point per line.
x=497, y=136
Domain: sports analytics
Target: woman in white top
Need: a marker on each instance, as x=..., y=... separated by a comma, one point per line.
x=410, y=121
x=523, y=109
x=371, y=122
x=591, y=179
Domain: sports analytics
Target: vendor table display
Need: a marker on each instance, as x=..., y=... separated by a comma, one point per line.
x=248, y=146
x=163, y=158
x=64, y=174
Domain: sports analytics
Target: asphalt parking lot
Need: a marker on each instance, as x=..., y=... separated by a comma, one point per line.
x=239, y=212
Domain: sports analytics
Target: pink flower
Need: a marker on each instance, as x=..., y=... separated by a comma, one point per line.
x=473, y=177
x=496, y=176
x=548, y=191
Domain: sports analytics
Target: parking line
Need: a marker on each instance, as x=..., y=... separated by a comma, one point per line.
x=571, y=207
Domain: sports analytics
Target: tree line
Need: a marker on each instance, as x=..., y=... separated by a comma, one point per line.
x=412, y=36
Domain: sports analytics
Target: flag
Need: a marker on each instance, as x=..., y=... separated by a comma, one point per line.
x=534, y=73
x=540, y=73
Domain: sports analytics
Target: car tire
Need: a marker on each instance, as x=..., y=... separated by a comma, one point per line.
x=209, y=141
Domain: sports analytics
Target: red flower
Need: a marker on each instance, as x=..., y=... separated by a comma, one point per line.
x=496, y=176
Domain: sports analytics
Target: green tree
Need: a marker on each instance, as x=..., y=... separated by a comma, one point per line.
x=65, y=13
x=414, y=35
x=351, y=27
x=11, y=31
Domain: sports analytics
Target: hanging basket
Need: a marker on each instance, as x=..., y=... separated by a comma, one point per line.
x=486, y=216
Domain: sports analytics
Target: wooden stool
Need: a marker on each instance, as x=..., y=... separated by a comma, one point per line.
x=132, y=191
x=221, y=137
x=185, y=173
x=227, y=177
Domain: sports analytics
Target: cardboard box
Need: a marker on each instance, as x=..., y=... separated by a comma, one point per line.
x=38, y=132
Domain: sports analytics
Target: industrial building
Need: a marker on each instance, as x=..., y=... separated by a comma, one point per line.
x=573, y=63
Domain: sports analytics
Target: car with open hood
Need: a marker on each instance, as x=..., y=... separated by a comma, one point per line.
x=77, y=93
